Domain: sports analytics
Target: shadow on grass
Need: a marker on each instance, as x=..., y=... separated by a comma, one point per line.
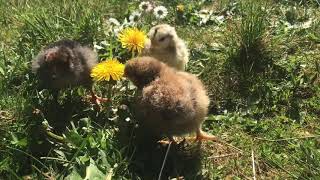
x=69, y=107
x=143, y=154
x=146, y=156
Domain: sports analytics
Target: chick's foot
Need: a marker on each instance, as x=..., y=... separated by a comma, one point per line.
x=204, y=136
x=165, y=142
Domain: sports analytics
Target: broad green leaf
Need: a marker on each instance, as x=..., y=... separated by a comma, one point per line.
x=20, y=142
x=93, y=173
x=1, y=71
x=74, y=175
x=109, y=174
x=4, y=164
x=74, y=138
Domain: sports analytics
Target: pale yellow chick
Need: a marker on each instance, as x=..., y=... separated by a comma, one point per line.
x=165, y=45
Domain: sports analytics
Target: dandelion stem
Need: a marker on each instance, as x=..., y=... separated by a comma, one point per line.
x=54, y=136
x=132, y=54
x=110, y=51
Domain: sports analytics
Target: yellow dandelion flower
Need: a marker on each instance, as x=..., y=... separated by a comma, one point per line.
x=132, y=39
x=106, y=70
x=180, y=7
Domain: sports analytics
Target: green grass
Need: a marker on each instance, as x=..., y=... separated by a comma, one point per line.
x=260, y=66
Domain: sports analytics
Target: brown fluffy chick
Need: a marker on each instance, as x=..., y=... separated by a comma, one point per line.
x=165, y=45
x=65, y=63
x=173, y=103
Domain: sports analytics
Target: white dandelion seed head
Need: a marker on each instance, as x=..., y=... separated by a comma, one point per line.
x=114, y=110
x=85, y=129
x=160, y=12
x=204, y=20
x=113, y=118
x=217, y=19
x=111, y=26
x=220, y=18
x=126, y=23
x=205, y=13
x=204, y=16
x=113, y=22
x=145, y=6
x=97, y=47
x=116, y=31
x=134, y=17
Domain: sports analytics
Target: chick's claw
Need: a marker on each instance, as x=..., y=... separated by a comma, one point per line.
x=203, y=136
x=165, y=142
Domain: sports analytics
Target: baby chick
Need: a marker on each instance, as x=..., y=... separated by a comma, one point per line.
x=166, y=46
x=172, y=102
x=65, y=63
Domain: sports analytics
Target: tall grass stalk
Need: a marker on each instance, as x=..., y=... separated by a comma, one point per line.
x=247, y=37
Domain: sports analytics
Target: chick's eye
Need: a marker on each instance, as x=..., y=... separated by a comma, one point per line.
x=162, y=39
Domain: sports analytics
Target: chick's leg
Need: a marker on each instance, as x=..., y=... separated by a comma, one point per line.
x=204, y=136
x=171, y=139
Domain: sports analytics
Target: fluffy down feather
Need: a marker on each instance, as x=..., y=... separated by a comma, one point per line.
x=63, y=64
x=165, y=45
x=172, y=102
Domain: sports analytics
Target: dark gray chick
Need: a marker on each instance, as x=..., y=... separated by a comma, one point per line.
x=64, y=64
